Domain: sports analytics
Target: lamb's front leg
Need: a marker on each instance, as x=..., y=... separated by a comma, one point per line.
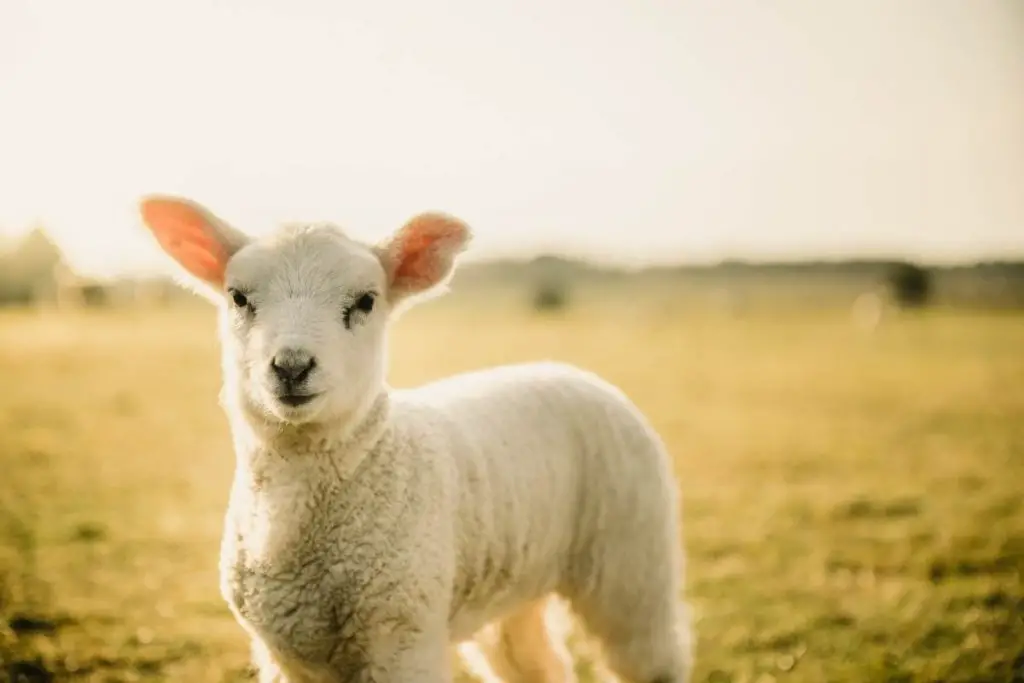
x=400, y=657
x=267, y=669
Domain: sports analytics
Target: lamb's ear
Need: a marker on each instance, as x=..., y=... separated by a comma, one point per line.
x=421, y=254
x=195, y=238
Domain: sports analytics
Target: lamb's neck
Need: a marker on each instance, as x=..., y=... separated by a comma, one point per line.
x=263, y=448
x=303, y=489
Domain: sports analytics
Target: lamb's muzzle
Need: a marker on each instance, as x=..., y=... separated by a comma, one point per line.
x=292, y=366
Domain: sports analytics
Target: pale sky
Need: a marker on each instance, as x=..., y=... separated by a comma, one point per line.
x=628, y=130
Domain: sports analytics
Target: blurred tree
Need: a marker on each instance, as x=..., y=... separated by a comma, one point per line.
x=550, y=295
x=28, y=268
x=910, y=285
x=550, y=275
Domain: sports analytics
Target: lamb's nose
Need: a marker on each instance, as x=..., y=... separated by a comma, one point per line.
x=292, y=365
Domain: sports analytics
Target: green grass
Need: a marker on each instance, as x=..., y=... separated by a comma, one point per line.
x=852, y=501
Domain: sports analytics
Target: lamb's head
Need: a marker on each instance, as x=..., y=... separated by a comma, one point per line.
x=304, y=311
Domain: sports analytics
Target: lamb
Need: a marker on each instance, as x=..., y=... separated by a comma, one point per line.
x=370, y=530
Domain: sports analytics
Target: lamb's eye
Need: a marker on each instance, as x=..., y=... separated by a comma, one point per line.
x=239, y=299
x=364, y=304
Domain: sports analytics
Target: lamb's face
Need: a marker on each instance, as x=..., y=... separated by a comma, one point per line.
x=304, y=312
x=303, y=324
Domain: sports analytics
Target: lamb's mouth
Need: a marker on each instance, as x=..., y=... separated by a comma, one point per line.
x=296, y=400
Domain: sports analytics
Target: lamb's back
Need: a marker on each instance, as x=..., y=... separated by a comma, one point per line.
x=533, y=419
x=514, y=393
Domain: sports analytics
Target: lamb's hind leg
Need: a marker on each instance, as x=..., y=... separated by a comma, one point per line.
x=526, y=648
x=642, y=627
x=627, y=593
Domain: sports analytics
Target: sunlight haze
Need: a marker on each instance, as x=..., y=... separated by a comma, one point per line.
x=626, y=131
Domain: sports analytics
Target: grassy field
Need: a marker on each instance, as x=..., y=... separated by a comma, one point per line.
x=853, y=501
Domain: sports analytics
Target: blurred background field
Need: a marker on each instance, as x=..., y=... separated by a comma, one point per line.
x=852, y=491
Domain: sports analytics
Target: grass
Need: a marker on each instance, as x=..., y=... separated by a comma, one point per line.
x=853, y=505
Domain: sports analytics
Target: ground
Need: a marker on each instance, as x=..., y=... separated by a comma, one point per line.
x=852, y=498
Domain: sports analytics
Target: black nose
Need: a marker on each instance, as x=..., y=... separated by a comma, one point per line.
x=292, y=365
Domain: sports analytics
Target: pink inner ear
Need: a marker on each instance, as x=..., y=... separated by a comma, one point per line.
x=202, y=262
x=414, y=257
x=187, y=236
x=424, y=251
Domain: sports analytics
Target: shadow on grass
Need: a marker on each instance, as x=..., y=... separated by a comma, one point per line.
x=39, y=642
x=31, y=651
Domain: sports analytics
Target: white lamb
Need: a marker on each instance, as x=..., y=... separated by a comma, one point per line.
x=371, y=529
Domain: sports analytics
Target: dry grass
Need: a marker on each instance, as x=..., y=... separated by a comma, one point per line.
x=853, y=502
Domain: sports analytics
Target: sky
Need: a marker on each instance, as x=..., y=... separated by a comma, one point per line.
x=630, y=131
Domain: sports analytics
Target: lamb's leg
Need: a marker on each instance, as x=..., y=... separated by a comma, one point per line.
x=642, y=627
x=403, y=655
x=267, y=670
x=639, y=648
x=627, y=592
x=523, y=648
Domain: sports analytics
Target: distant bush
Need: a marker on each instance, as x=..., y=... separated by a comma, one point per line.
x=13, y=293
x=910, y=285
x=550, y=296
x=95, y=295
